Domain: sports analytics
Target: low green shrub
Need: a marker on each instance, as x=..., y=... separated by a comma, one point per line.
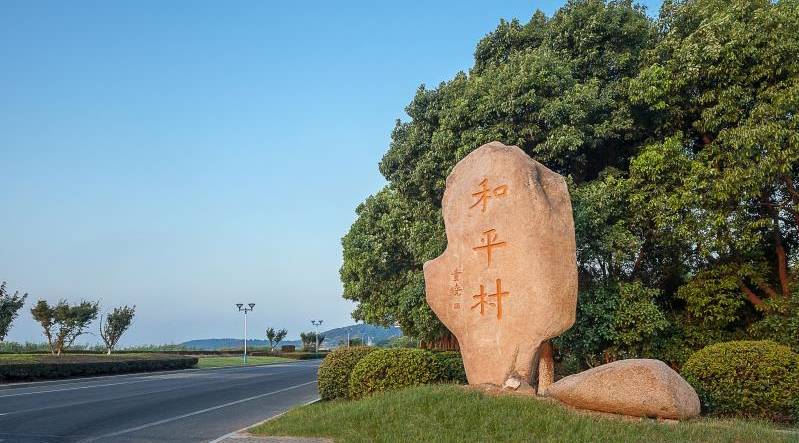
x=746, y=378
x=31, y=367
x=452, y=370
x=302, y=355
x=292, y=355
x=335, y=370
x=389, y=369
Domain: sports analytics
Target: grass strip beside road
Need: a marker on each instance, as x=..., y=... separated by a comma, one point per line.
x=455, y=414
x=220, y=362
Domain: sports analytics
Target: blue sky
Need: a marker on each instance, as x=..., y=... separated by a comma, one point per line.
x=185, y=156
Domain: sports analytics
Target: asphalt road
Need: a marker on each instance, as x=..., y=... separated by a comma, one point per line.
x=176, y=406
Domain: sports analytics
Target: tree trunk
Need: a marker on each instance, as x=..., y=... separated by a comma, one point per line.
x=446, y=343
x=779, y=249
x=750, y=295
x=782, y=264
x=789, y=184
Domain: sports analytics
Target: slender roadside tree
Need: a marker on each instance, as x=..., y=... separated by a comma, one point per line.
x=275, y=337
x=63, y=323
x=309, y=341
x=116, y=323
x=270, y=337
x=10, y=304
x=279, y=336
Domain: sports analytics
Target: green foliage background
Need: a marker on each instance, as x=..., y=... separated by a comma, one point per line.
x=680, y=143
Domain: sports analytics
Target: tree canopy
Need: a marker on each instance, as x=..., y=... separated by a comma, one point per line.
x=10, y=304
x=679, y=139
x=63, y=323
x=275, y=336
x=116, y=323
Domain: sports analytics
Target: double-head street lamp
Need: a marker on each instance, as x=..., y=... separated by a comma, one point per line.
x=316, y=324
x=245, y=310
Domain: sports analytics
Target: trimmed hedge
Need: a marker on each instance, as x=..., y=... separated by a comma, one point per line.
x=746, y=378
x=389, y=369
x=335, y=370
x=452, y=370
x=291, y=355
x=31, y=367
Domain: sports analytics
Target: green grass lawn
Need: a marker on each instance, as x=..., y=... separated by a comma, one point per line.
x=218, y=362
x=454, y=414
x=17, y=358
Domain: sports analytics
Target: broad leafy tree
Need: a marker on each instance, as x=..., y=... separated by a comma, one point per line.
x=680, y=142
x=719, y=179
x=116, y=323
x=556, y=87
x=63, y=323
x=10, y=304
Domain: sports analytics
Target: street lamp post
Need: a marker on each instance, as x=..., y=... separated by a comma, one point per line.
x=245, y=310
x=316, y=324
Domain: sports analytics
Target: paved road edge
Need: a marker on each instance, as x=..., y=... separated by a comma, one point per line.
x=243, y=431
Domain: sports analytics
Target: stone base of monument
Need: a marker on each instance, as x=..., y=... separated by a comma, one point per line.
x=635, y=387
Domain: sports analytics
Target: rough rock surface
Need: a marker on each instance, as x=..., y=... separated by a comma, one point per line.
x=508, y=278
x=637, y=387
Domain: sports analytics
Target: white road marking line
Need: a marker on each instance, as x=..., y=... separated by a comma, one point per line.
x=19, y=394
x=201, y=411
x=141, y=377
x=108, y=384
x=231, y=434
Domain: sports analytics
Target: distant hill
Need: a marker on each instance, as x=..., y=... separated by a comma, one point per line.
x=365, y=332
x=214, y=344
x=332, y=338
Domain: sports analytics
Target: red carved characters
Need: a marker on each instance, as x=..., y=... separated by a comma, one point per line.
x=486, y=193
x=488, y=242
x=484, y=299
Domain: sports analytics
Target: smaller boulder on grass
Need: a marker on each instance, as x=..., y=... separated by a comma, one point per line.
x=334, y=372
x=637, y=387
x=390, y=369
x=746, y=379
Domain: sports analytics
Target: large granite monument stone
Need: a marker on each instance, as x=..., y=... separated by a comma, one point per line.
x=507, y=283
x=508, y=278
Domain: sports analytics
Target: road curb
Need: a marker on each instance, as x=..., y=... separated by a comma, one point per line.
x=243, y=431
